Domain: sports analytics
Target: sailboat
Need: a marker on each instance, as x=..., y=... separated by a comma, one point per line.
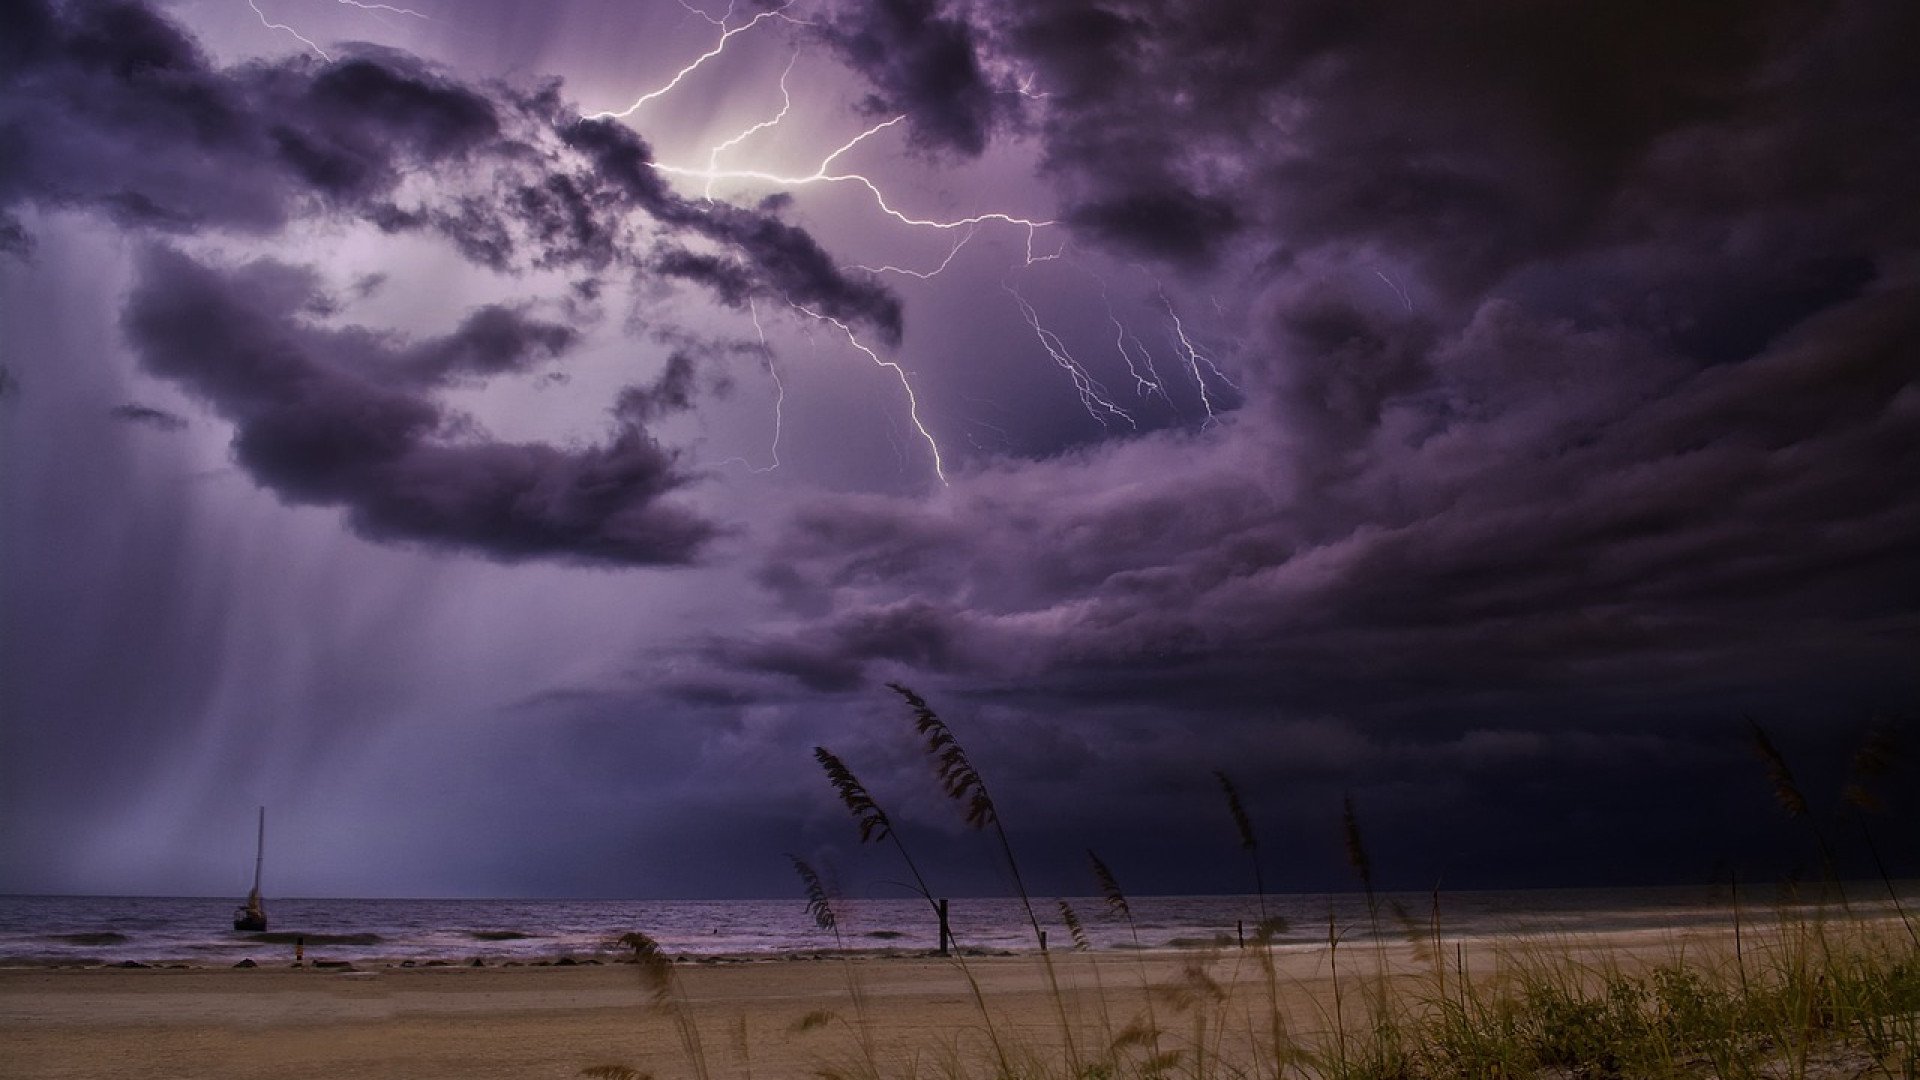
x=251, y=916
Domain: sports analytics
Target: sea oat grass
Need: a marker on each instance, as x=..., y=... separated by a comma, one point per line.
x=1805, y=993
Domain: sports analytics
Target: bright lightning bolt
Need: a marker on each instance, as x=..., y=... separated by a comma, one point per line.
x=1093, y=396
x=786, y=106
x=821, y=175
x=726, y=35
x=913, y=402
x=298, y=36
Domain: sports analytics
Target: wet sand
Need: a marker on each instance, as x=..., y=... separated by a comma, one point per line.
x=768, y=1019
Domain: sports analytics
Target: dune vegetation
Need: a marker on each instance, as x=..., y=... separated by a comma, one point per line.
x=1825, y=984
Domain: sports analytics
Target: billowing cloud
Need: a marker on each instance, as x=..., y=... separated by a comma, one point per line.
x=1577, y=366
x=320, y=417
x=1572, y=415
x=923, y=63
x=112, y=109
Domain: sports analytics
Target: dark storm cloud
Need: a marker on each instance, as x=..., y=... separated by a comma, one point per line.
x=1579, y=375
x=1171, y=223
x=924, y=64
x=1583, y=512
x=318, y=420
x=673, y=391
x=112, y=109
x=492, y=340
x=792, y=264
x=1471, y=139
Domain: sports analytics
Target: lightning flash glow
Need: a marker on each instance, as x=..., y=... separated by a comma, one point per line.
x=1094, y=397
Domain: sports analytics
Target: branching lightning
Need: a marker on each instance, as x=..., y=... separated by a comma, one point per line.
x=309, y=42
x=297, y=35
x=786, y=106
x=913, y=402
x=822, y=175
x=1093, y=396
x=1142, y=384
x=924, y=275
x=726, y=34
x=717, y=173
x=1194, y=358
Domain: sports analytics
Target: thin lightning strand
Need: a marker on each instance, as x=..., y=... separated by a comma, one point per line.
x=780, y=388
x=383, y=7
x=726, y=35
x=1195, y=358
x=1093, y=396
x=1142, y=384
x=302, y=38
x=913, y=402
x=786, y=105
x=821, y=175
x=923, y=275
x=1405, y=300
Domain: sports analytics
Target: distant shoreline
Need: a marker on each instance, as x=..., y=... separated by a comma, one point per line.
x=783, y=1018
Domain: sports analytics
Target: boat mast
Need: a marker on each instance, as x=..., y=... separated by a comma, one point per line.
x=259, y=855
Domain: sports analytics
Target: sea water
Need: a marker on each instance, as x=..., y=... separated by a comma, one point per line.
x=194, y=931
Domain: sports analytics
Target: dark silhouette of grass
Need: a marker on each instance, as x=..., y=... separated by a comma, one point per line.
x=962, y=783
x=1243, y=825
x=875, y=826
x=1804, y=996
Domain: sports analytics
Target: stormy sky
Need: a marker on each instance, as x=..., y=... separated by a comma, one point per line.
x=504, y=439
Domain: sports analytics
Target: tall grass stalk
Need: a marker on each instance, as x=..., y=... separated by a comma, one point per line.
x=1871, y=761
x=1792, y=799
x=820, y=910
x=1243, y=826
x=964, y=784
x=656, y=974
x=1117, y=904
x=876, y=826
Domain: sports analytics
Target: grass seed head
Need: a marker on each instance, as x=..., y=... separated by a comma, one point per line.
x=958, y=778
x=1241, y=821
x=874, y=826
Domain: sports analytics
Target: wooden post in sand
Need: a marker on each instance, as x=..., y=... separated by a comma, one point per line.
x=946, y=934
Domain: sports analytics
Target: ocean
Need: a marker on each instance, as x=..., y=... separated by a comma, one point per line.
x=196, y=931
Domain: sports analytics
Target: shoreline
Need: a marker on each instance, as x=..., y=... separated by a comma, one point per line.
x=795, y=1017
x=610, y=955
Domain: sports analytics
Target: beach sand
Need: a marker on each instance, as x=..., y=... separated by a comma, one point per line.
x=540, y=1022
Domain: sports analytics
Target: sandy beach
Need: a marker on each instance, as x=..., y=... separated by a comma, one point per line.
x=761, y=1019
